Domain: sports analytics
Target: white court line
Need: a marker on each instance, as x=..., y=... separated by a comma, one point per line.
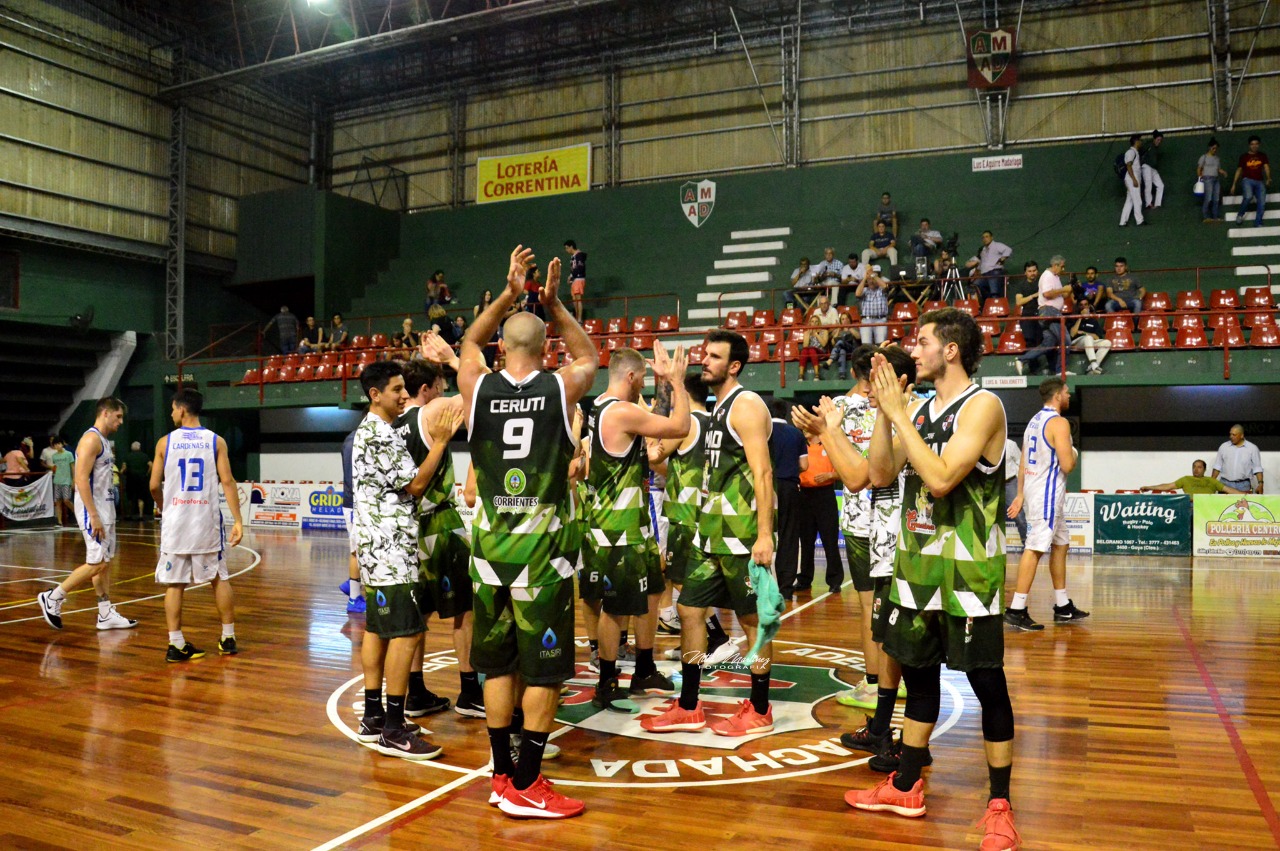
x=28, y=567
x=30, y=579
x=257, y=559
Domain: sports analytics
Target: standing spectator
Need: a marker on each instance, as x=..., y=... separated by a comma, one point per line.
x=1012, y=462
x=817, y=342
x=1124, y=293
x=1255, y=170
x=1023, y=293
x=437, y=291
x=873, y=304
x=1238, y=462
x=1150, y=158
x=577, y=276
x=819, y=517
x=886, y=213
x=533, y=291
x=1195, y=483
x=1087, y=336
x=312, y=341
x=1050, y=302
x=988, y=266
x=46, y=454
x=790, y=454
x=926, y=240
x=1209, y=170
x=286, y=325
x=337, y=333
x=485, y=300
x=851, y=274
x=63, y=465
x=883, y=245
x=137, y=482
x=827, y=273
x=407, y=338
x=1132, y=182
x=802, y=284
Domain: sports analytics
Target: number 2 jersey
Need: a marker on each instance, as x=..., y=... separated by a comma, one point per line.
x=1043, y=483
x=192, y=520
x=521, y=437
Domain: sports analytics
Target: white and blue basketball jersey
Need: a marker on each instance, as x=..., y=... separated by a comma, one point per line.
x=192, y=519
x=1043, y=480
x=99, y=486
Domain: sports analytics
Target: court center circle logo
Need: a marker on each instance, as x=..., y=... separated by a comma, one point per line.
x=805, y=740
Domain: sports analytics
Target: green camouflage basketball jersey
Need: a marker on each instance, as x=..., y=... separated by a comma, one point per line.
x=521, y=446
x=437, y=511
x=727, y=524
x=685, y=475
x=951, y=549
x=617, y=488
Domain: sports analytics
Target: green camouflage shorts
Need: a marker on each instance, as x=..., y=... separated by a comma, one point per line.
x=524, y=630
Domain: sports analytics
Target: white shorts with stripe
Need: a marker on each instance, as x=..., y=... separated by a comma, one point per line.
x=190, y=568
x=1046, y=526
x=99, y=549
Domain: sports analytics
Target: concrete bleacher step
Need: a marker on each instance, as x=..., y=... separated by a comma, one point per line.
x=716, y=298
x=1237, y=200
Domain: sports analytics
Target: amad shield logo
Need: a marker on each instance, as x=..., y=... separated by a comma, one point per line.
x=990, y=56
x=697, y=200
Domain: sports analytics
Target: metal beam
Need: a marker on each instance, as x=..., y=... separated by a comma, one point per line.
x=175, y=263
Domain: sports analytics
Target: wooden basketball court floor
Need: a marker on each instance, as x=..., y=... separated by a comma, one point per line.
x=1153, y=725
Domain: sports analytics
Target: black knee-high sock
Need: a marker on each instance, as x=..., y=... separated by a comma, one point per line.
x=885, y=700
x=373, y=703
x=691, y=680
x=530, y=764
x=909, y=767
x=622, y=638
x=417, y=687
x=517, y=721
x=395, y=712
x=873, y=679
x=715, y=633
x=999, y=779
x=644, y=663
x=760, y=692
x=470, y=681
x=500, y=746
x=608, y=671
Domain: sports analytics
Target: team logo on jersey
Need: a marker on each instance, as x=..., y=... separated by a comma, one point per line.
x=514, y=481
x=919, y=421
x=697, y=200
x=920, y=517
x=946, y=424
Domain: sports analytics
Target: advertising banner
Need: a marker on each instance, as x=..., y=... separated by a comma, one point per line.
x=1141, y=524
x=28, y=502
x=275, y=505
x=243, y=489
x=322, y=507
x=1236, y=525
x=533, y=175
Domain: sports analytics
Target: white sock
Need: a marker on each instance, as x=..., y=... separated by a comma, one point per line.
x=228, y=630
x=356, y=591
x=1019, y=601
x=1060, y=597
x=669, y=613
x=176, y=639
x=58, y=593
x=104, y=608
x=675, y=596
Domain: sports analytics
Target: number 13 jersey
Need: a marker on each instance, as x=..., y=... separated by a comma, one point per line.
x=192, y=521
x=521, y=442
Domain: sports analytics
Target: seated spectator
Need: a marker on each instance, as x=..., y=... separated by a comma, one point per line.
x=1051, y=296
x=437, y=291
x=988, y=266
x=1124, y=293
x=846, y=343
x=801, y=285
x=882, y=246
x=453, y=332
x=817, y=342
x=873, y=303
x=1197, y=482
x=407, y=338
x=16, y=460
x=312, y=337
x=851, y=274
x=338, y=338
x=286, y=325
x=827, y=273
x=1087, y=336
x=485, y=300
x=888, y=214
x=1090, y=290
x=926, y=240
x=533, y=291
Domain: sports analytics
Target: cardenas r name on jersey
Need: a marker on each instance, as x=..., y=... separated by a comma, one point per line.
x=186, y=445
x=517, y=406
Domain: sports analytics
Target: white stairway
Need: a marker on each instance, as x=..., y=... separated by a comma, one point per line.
x=751, y=257
x=1255, y=243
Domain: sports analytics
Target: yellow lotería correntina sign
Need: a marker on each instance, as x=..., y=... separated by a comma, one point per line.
x=533, y=175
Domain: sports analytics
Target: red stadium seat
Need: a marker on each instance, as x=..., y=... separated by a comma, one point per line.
x=551, y=360
x=771, y=336
x=750, y=336
x=641, y=324
x=615, y=342
x=900, y=317
x=366, y=358
x=338, y=371
x=354, y=370
x=1191, y=300
x=934, y=305
x=796, y=335
x=593, y=326
x=305, y=373
x=850, y=312
x=989, y=327
x=270, y=375
x=1265, y=336
x=1156, y=337
x=1192, y=337
x=1218, y=320
x=642, y=342
x=668, y=322
x=757, y=353
x=792, y=316
x=995, y=306
x=736, y=319
x=1187, y=320
x=293, y=360
x=1121, y=338
x=1230, y=336
x=331, y=358
x=1257, y=297
x=311, y=360
x=323, y=372
x=275, y=361
x=696, y=352
x=763, y=318
x=1224, y=300
x=288, y=373
x=379, y=341
x=251, y=376
x=1118, y=320
x=987, y=347
x=359, y=341
x=616, y=325
x=1157, y=303
x=1012, y=341
x=1259, y=316
x=789, y=351
x=909, y=341
x=967, y=305
x=1152, y=320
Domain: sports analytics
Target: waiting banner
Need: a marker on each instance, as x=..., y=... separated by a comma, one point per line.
x=28, y=502
x=535, y=175
x=1227, y=525
x=1141, y=524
